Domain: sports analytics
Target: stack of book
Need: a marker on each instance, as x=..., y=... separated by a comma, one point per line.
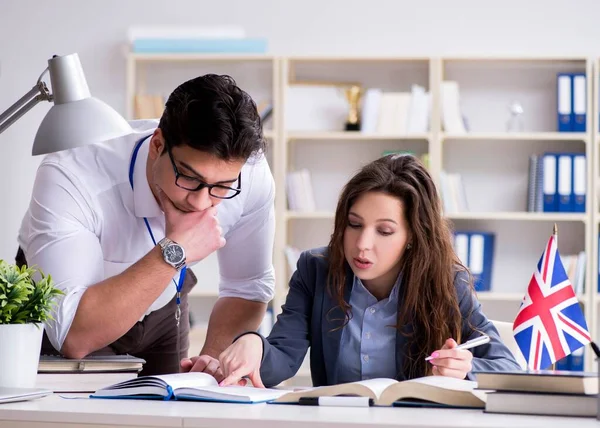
x=201, y=39
x=88, y=374
x=542, y=392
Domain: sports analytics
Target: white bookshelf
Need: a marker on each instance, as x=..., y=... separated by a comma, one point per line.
x=593, y=200
x=490, y=160
x=161, y=74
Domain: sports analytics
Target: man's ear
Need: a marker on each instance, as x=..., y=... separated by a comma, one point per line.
x=157, y=144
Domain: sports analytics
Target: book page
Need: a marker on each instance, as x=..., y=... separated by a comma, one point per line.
x=231, y=393
x=446, y=382
x=372, y=388
x=437, y=389
x=377, y=385
x=188, y=380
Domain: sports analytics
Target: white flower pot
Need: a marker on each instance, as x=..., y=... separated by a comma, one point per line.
x=20, y=346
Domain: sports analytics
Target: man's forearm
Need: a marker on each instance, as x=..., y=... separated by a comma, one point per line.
x=108, y=309
x=230, y=317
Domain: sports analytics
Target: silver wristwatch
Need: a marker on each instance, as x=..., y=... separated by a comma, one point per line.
x=173, y=253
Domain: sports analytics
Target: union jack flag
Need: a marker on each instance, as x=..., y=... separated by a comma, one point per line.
x=550, y=324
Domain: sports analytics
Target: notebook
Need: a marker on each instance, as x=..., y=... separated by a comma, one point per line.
x=92, y=363
x=186, y=386
x=555, y=381
x=385, y=392
x=9, y=395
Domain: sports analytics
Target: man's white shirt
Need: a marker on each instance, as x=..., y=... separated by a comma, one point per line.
x=85, y=224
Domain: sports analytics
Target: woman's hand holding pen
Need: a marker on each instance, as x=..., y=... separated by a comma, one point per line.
x=451, y=362
x=242, y=358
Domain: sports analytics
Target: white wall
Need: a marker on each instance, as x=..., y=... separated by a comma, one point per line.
x=31, y=31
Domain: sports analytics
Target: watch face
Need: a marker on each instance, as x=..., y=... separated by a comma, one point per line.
x=174, y=253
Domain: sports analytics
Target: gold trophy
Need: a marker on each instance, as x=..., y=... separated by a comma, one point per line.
x=353, y=94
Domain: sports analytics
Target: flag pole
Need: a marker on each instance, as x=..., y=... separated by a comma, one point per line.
x=555, y=233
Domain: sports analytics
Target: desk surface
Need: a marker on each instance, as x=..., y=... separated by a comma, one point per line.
x=55, y=412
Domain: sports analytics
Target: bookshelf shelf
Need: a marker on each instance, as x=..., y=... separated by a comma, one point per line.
x=486, y=296
x=316, y=215
x=520, y=136
x=518, y=216
x=354, y=136
x=183, y=57
x=492, y=295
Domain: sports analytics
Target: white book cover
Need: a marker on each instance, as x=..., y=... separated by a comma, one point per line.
x=185, y=32
x=402, y=106
x=387, y=114
x=292, y=192
x=452, y=120
x=369, y=115
x=309, y=198
x=418, y=115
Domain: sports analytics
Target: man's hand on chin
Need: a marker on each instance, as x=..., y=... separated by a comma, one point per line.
x=203, y=363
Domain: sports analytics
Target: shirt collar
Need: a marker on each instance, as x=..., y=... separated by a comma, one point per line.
x=358, y=286
x=144, y=203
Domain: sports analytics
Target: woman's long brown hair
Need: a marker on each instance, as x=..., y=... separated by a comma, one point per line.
x=428, y=299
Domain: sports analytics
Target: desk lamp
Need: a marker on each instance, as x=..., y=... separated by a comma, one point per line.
x=75, y=119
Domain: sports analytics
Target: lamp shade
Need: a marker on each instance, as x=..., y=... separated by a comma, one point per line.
x=76, y=118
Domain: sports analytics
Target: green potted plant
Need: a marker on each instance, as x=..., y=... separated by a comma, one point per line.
x=25, y=304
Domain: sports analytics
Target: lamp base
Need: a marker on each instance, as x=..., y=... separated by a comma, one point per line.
x=352, y=126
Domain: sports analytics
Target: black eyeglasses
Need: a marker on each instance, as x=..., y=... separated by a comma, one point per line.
x=194, y=184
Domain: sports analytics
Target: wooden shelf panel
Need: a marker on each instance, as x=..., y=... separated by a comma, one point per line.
x=316, y=215
x=182, y=57
x=354, y=136
x=518, y=216
x=517, y=136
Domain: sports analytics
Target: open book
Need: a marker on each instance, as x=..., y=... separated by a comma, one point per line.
x=384, y=392
x=186, y=386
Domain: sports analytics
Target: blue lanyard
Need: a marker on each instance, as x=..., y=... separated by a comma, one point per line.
x=179, y=285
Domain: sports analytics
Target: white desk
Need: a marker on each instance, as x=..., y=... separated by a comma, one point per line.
x=55, y=412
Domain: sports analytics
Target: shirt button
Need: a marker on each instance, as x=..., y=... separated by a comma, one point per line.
x=367, y=335
x=372, y=310
x=366, y=358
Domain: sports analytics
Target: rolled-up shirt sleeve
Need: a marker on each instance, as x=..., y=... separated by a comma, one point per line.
x=246, y=260
x=57, y=236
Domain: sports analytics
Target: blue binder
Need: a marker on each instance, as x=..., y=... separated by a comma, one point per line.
x=550, y=182
x=480, y=256
x=564, y=102
x=577, y=358
x=579, y=189
x=565, y=182
x=579, y=106
x=564, y=364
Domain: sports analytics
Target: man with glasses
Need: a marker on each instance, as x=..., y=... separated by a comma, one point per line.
x=116, y=225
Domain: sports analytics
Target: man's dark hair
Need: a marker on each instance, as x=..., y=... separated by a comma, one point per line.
x=212, y=114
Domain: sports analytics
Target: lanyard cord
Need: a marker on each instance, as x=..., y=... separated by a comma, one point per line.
x=179, y=284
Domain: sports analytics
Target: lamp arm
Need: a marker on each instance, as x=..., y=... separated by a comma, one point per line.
x=38, y=93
